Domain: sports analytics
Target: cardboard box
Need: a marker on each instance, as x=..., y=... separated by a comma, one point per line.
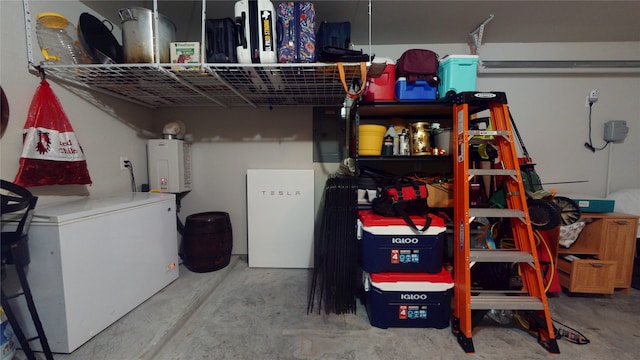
x=185, y=53
x=440, y=195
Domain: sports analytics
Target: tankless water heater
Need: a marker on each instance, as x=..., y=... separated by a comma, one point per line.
x=169, y=162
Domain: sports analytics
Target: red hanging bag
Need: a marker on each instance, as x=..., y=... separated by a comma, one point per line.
x=51, y=153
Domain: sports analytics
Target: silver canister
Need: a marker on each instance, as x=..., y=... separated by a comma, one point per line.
x=138, y=40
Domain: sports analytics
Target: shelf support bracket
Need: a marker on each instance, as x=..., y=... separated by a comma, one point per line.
x=476, y=36
x=27, y=24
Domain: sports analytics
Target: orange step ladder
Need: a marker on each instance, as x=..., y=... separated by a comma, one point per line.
x=531, y=300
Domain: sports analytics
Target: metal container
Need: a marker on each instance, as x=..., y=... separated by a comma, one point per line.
x=443, y=140
x=138, y=35
x=420, y=138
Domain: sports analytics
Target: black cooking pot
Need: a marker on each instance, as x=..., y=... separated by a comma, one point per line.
x=98, y=40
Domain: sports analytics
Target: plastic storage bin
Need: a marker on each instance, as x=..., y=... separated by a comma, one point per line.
x=415, y=300
x=457, y=73
x=420, y=90
x=382, y=88
x=589, y=205
x=390, y=245
x=370, y=139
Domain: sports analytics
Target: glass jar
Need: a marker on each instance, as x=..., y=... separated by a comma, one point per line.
x=58, y=40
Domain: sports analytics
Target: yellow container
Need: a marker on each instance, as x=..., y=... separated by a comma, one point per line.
x=370, y=139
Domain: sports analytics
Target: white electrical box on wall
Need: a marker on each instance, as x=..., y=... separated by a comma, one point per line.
x=169, y=162
x=615, y=130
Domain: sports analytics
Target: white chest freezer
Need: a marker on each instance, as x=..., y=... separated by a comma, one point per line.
x=93, y=260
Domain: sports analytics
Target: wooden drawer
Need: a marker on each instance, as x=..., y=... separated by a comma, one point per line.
x=587, y=275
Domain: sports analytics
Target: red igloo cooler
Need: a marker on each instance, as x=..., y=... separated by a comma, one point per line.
x=388, y=244
x=413, y=300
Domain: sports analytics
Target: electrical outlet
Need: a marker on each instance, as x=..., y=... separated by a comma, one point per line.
x=592, y=97
x=123, y=160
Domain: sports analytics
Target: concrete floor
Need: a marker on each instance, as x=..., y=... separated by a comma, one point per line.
x=244, y=313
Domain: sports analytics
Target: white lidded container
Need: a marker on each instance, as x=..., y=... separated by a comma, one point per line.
x=93, y=260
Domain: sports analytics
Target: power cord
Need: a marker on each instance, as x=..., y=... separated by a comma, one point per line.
x=129, y=165
x=568, y=333
x=589, y=145
x=571, y=335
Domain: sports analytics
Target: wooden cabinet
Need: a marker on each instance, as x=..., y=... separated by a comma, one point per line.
x=608, y=238
x=587, y=275
x=619, y=244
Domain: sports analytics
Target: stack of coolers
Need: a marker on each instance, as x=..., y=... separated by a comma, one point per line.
x=403, y=277
x=456, y=73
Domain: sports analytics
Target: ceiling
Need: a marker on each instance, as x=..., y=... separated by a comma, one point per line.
x=433, y=22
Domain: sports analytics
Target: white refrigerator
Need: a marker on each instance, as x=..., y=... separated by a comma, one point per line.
x=93, y=260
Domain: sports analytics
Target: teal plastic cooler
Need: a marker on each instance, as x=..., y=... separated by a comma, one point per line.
x=457, y=73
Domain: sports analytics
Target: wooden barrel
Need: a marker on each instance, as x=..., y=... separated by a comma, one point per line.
x=207, y=242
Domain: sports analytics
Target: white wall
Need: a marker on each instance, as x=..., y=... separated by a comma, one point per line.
x=549, y=111
x=551, y=115
x=227, y=142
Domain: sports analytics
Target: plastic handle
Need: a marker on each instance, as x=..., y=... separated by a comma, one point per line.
x=241, y=23
x=279, y=32
x=48, y=57
x=363, y=74
x=126, y=15
x=366, y=281
x=105, y=22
